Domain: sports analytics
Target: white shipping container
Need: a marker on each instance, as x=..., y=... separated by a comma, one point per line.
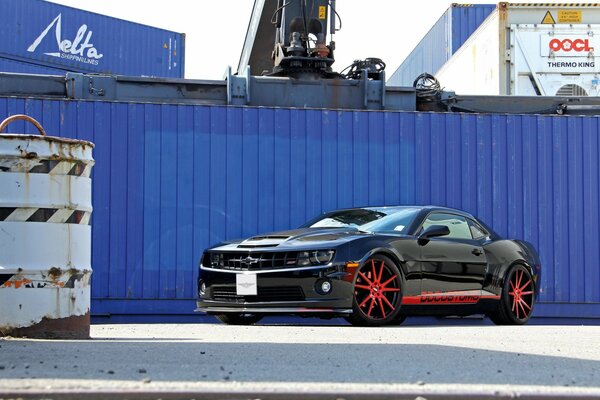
x=528, y=50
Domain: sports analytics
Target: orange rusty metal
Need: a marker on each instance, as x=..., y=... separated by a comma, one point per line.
x=73, y=327
x=17, y=283
x=22, y=117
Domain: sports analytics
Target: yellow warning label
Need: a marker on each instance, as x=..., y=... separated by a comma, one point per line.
x=548, y=18
x=322, y=12
x=569, y=16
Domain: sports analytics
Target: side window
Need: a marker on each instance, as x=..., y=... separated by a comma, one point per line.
x=477, y=230
x=458, y=226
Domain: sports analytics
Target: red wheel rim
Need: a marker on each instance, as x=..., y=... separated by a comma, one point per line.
x=521, y=293
x=376, y=290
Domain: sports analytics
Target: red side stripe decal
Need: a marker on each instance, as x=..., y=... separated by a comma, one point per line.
x=447, y=298
x=411, y=300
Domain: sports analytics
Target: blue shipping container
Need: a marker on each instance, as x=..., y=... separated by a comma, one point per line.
x=170, y=180
x=56, y=36
x=446, y=36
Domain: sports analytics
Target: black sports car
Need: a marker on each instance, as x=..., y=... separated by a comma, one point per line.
x=373, y=266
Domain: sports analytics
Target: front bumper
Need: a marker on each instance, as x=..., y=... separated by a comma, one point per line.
x=285, y=291
x=208, y=308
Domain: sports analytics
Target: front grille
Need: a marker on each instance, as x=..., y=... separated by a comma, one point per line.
x=265, y=294
x=246, y=261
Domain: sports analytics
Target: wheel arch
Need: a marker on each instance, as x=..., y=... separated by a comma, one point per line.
x=389, y=253
x=504, y=270
x=515, y=252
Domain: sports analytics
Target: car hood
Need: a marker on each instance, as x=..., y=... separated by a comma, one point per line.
x=297, y=238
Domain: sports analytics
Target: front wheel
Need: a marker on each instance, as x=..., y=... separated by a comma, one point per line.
x=377, y=293
x=238, y=319
x=516, y=301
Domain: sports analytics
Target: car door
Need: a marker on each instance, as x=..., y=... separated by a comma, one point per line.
x=455, y=264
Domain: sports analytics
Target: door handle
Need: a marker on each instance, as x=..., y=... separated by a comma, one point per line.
x=477, y=252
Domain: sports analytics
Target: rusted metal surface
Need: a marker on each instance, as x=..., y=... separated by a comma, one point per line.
x=49, y=139
x=74, y=327
x=60, y=297
x=45, y=236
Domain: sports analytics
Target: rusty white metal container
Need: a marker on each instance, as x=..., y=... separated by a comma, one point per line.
x=45, y=234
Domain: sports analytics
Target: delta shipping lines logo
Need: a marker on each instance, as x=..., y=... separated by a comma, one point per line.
x=80, y=48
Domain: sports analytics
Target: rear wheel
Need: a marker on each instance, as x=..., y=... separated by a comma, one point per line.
x=516, y=302
x=377, y=293
x=238, y=319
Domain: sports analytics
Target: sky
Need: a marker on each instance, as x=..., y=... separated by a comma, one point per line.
x=215, y=30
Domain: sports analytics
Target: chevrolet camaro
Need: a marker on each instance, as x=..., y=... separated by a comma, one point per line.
x=373, y=266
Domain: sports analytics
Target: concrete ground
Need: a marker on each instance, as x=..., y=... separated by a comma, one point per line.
x=276, y=360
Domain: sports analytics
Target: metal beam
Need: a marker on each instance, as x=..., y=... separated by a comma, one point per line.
x=32, y=85
x=260, y=39
x=518, y=104
x=245, y=90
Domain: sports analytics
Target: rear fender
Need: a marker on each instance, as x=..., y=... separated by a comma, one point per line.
x=523, y=263
x=502, y=255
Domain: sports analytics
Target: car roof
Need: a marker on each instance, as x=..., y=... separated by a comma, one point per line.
x=447, y=209
x=427, y=208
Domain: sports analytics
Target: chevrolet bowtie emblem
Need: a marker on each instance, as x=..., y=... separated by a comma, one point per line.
x=249, y=261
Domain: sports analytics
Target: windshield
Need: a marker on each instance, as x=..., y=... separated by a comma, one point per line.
x=380, y=220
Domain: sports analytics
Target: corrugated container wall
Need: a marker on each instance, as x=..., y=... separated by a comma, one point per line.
x=445, y=37
x=50, y=35
x=170, y=180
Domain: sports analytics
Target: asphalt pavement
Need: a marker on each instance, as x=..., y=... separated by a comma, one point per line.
x=275, y=360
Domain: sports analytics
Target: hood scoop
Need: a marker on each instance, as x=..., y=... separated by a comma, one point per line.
x=263, y=241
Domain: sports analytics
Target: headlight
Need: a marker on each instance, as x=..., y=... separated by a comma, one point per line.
x=321, y=256
x=314, y=257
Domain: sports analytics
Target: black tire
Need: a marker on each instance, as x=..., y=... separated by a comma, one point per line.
x=377, y=294
x=516, y=301
x=238, y=319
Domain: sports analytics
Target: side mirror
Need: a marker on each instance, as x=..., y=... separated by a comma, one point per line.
x=432, y=231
